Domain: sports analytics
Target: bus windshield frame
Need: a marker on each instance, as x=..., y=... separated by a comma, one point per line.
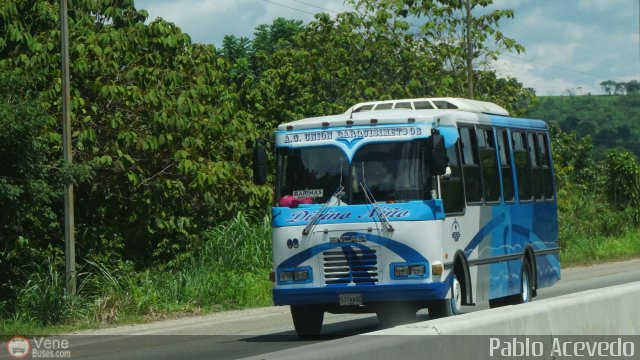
x=392, y=171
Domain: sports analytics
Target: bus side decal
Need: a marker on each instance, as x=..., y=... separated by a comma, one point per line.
x=483, y=232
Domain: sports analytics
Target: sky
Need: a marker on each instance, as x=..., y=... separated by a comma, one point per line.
x=571, y=45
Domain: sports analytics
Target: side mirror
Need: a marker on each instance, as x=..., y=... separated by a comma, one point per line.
x=259, y=165
x=436, y=154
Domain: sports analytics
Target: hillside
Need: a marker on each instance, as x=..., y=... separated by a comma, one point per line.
x=611, y=121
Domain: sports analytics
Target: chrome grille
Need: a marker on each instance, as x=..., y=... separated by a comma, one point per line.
x=348, y=264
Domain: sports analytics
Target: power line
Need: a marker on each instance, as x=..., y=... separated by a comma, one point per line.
x=314, y=6
x=288, y=7
x=557, y=67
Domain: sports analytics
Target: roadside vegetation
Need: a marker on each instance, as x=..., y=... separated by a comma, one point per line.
x=598, y=201
x=168, y=221
x=595, y=151
x=231, y=271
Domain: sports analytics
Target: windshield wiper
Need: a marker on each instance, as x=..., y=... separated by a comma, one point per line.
x=371, y=200
x=336, y=196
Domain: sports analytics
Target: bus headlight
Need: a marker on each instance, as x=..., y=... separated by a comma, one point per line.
x=295, y=275
x=286, y=276
x=401, y=271
x=416, y=270
x=300, y=275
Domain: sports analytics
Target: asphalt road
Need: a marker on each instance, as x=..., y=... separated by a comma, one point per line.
x=237, y=334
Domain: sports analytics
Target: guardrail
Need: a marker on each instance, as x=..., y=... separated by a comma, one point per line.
x=541, y=326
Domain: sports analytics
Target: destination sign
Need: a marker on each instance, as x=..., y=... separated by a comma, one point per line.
x=350, y=134
x=310, y=193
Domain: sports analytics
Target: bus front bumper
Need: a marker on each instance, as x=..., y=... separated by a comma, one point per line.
x=369, y=293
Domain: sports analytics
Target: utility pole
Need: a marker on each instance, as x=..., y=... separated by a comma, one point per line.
x=469, y=51
x=69, y=235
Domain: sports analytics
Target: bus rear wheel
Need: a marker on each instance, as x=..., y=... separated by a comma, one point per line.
x=307, y=320
x=526, y=286
x=449, y=306
x=526, y=289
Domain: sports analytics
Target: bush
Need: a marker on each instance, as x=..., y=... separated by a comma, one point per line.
x=230, y=271
x=43, y=299
x=598, y=202
x=28, y=191
x=623, y=186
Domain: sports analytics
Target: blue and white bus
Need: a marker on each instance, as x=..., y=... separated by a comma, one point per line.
x=434, y=204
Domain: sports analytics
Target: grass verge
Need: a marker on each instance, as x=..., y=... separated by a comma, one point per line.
x=584, y=250
x=230, y=271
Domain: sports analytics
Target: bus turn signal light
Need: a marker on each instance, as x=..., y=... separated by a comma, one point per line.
x=437, y=269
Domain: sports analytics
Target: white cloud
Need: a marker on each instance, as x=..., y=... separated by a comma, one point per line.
x=209, y=21
x=600, y=5
x=536, y=76
x=574, y=44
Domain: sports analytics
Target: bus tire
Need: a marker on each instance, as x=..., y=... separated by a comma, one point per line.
x=494, y=303
x=526, y=285
x=448, y=306
x=307, y=320
x=526, y=289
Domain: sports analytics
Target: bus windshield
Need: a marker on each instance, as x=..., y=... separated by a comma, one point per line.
x=312, y=173
x=394, y=172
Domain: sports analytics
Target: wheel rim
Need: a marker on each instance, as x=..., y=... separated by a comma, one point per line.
x=525, y=286
x=456, y=296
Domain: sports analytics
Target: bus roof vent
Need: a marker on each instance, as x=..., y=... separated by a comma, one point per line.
x=483, y=107
x=446, y=103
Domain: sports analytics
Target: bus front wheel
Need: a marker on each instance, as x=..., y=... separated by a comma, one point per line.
x=449, y=306
x=307, y=320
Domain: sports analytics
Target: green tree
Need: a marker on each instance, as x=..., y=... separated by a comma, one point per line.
x=632, y=87
x=238, y=52
x=573, y=160
x=443, y=25
x=372, y=54
x=154, y=121
x=608, y=86
x=335, y=62
x=28, y=195
x=623, y=186
x=267, y=39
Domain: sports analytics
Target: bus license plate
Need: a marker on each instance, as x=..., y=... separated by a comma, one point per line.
x=350, y=299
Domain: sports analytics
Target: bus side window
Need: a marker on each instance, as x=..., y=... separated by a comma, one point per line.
x=402, y=105
x=489, y=165
x=421, y=105
x=363, y=108
x=534, y=159
x=384, y=106
x=547, y=180
x=505, y=164
x=452, y=187
x=470, y=165
x=523, y=167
